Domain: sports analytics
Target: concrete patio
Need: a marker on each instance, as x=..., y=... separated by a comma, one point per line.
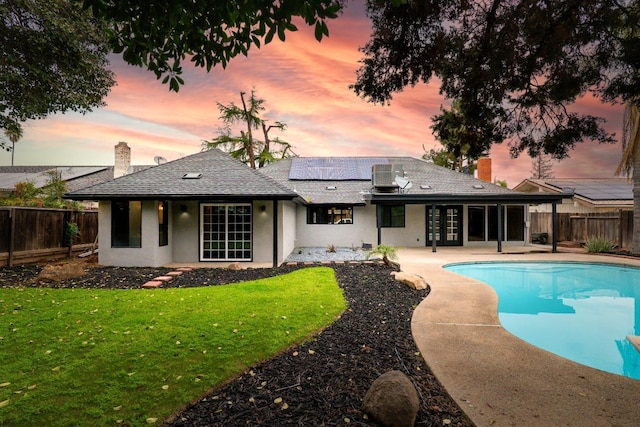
x=497, y=378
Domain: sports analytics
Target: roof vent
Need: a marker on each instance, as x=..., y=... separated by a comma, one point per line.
x=192, y=175
x=478, y=186
x=425, y=187
x=331, y=187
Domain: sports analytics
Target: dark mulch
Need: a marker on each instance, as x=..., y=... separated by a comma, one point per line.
x=319, y=383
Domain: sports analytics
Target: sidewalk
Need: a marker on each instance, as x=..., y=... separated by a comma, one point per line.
x=496, y=378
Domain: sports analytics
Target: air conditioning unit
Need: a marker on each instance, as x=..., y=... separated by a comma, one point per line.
x=383, y=177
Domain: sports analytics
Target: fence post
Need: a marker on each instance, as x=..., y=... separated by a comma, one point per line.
x=12, y=235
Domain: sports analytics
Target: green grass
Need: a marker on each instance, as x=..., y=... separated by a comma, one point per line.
x=101, y=357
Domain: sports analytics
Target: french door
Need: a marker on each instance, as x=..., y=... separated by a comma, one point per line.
x=448, y=230
x=225, y=232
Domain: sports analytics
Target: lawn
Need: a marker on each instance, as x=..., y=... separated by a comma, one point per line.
x=133, y=357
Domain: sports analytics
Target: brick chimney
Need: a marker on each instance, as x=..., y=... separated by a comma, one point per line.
x=123, y=159
x=484, y=169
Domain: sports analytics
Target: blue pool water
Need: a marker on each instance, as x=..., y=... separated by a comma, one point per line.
x=579, y=311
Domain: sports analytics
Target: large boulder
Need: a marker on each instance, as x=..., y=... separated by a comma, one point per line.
x=411, y=280
x=392, y=400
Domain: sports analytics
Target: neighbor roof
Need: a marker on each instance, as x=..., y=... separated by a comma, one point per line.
x=215, y=173
x=76, y=177
x=596, y=192
x=330, y=187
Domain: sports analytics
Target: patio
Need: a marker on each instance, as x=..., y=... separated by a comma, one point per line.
x=495, y=377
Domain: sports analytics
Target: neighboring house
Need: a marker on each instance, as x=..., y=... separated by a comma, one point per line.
x=75, y=177
x=209, y=207
x=589, y=195
x=598, y=207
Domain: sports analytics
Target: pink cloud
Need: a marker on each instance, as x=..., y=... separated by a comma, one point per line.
x=305, y=84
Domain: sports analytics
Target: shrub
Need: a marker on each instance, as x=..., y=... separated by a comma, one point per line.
x=71, y=232
x=598, y=245
x=387, y=252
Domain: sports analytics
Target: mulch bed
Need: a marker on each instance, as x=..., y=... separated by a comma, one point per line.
x=319, y=383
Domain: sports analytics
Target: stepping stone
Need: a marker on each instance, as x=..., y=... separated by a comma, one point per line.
x=184, y=269
x=174, y=273
x=309, y=263
x=163, y=278
x=151, y=284
x=292, y=263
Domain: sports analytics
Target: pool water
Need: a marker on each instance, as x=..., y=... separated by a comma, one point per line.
x=579, y=311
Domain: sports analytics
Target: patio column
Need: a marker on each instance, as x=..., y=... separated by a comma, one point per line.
x=433, y=228
x=275, y=233
x=554, y=227
x=499, y=208
x=379, y=222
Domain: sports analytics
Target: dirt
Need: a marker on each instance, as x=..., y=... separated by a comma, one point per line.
x=319, y=383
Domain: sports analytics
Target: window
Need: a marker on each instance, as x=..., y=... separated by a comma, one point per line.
x=329, y=215
x=126, y=224
x=515, y=223
x=476, y=230
x=163, y=223
x=391, y=216
x=225, y=232
x=512, y=222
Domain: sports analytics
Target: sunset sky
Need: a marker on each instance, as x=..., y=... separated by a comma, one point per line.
x=305, y=84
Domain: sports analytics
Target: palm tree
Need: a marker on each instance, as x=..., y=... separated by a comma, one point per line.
x=630, y=163
x=14, y=132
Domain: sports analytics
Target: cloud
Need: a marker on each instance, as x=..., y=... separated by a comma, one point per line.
x=305, y=84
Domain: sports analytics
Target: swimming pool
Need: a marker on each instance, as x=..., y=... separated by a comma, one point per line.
x=579, y=311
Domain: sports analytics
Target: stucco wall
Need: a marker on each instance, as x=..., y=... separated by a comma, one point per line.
x=148, y=255
x=185, y=232
x=362, y=230
x=287, y=230
x=413, y=233
x=262, y=231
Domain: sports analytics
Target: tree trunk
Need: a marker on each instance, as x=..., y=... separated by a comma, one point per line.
x=249, y=145
x=636, y=197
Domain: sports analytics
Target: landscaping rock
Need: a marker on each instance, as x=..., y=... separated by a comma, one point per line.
x=411, y=280
x=392, y=400
x=235, y=266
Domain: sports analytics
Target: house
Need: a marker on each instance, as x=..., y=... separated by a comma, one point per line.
x=598, y=207
x=589, y=195
x=209, y=207
x=75, y=177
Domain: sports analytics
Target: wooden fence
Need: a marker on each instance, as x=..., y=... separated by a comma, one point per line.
x=29, y=235
x=614, y=226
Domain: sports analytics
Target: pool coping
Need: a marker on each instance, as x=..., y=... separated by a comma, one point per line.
x=496, y=378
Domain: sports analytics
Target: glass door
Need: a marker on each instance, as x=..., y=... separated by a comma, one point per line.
x=448, y=231
x=225, y=232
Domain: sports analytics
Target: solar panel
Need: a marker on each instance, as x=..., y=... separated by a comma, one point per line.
x=613, y=189
x=333, y=168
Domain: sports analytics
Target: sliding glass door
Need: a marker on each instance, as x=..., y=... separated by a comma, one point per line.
x=225, y=232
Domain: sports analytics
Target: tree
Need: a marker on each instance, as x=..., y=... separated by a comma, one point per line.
x=49, y=196
x=159, y=35
x=53, y=59
x=450, y=129
x=630, y=163
x=514, y=66
x=246, y=147
x=542, y=167
x=13, y=132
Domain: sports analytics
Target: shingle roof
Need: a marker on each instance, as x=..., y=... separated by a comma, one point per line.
x=76, y=177
x=222, y=176
x=440, y=181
